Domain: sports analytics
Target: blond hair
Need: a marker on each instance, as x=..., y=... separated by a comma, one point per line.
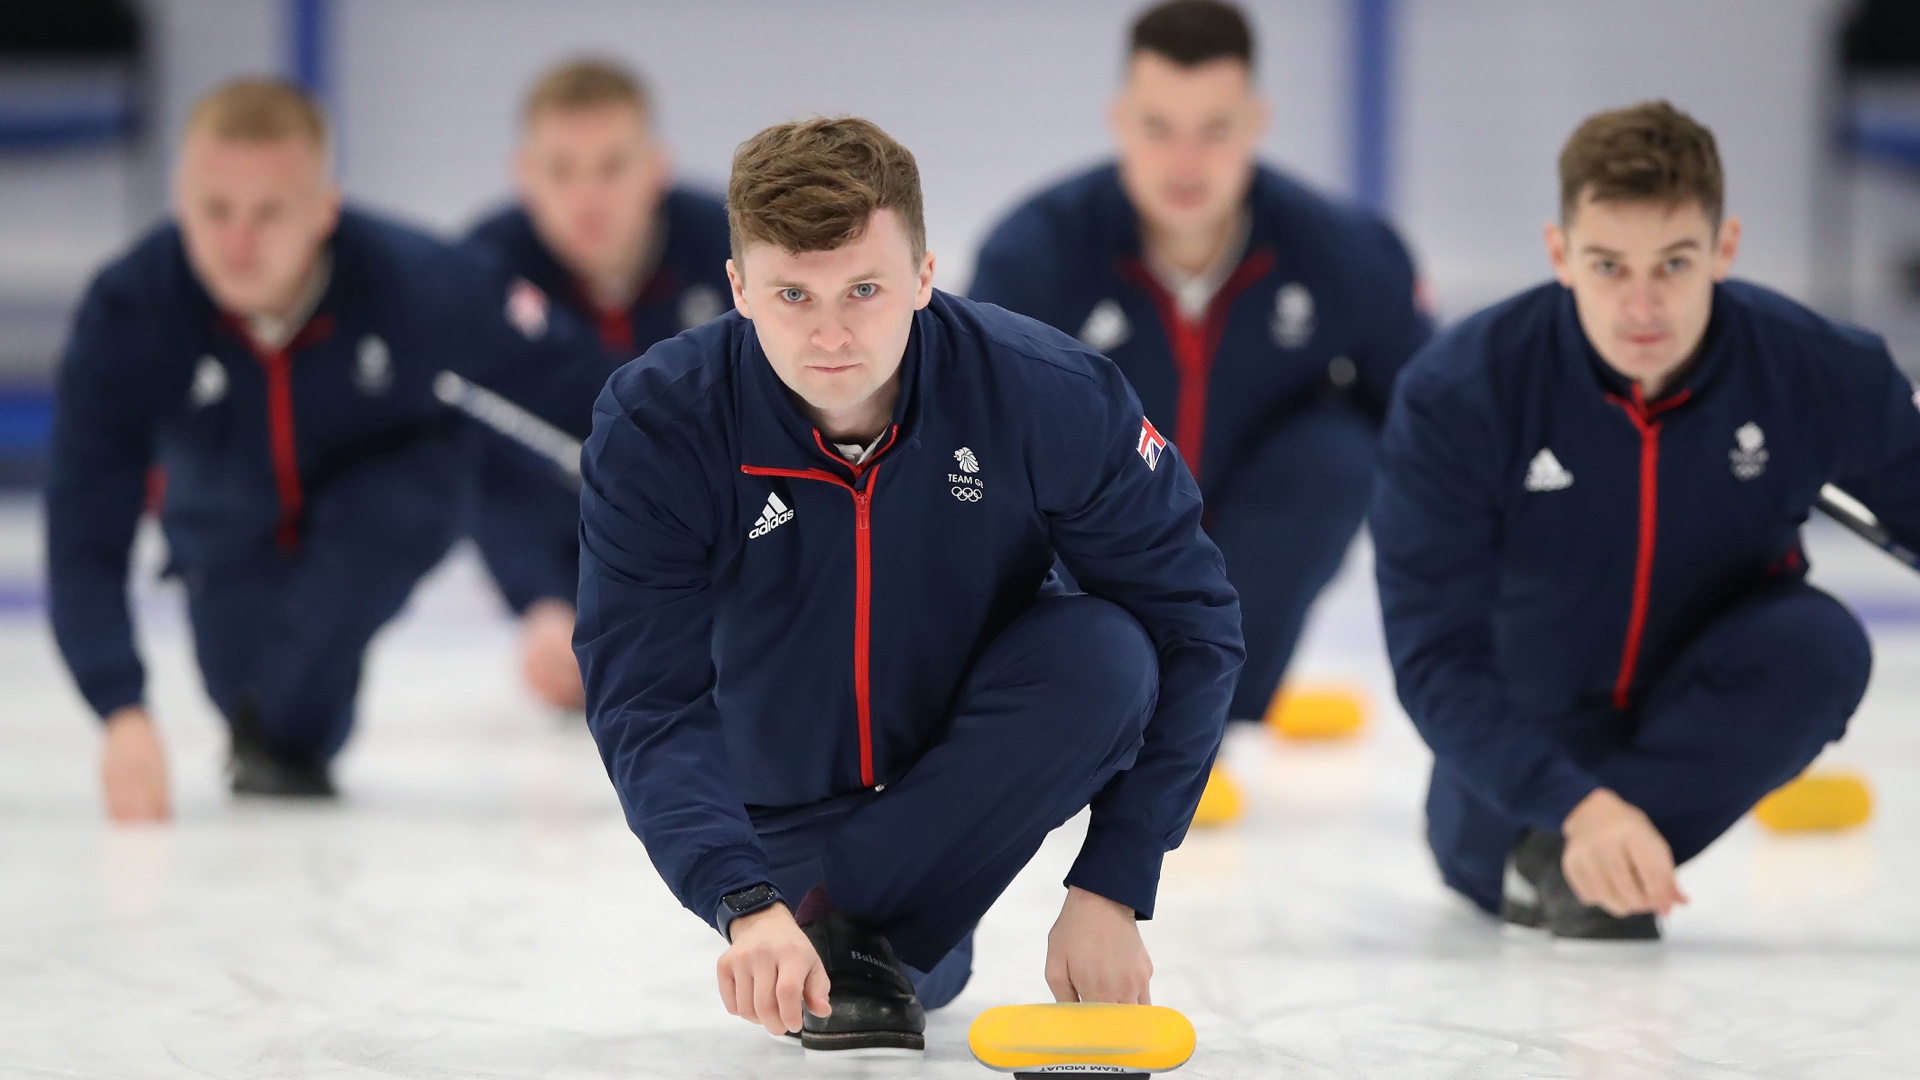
x=584, y=83
x=260, y=111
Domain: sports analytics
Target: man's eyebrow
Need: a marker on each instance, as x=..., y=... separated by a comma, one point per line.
x=783, y=283
x=1677, y=245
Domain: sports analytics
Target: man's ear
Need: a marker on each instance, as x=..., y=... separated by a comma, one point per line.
x=1556, y=238
x=1726, y=247
x=925, y=295
x=739, y=290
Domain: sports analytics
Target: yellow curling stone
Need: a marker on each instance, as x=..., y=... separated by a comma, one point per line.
x=1824, y=801
x=1318, y=712
x=1220, y=803
x=1055, y=1041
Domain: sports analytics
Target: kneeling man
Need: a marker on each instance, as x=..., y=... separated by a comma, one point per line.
x=840, y=695
x=1588, y=532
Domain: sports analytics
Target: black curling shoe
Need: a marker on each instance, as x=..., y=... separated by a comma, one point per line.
x=254, y=768
x=1535, y=895
x=874, y=1007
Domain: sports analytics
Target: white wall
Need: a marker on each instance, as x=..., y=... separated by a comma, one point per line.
x=1492, y=88
x=996, y=96
x=992, y=96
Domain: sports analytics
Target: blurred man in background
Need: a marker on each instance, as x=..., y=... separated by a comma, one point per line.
x=1261, y=323
x=275, y=355
x=601, y=231
x=1588, y=539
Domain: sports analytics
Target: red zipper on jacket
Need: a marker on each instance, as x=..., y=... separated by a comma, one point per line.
x=1195, y=344
x=862, y=581
x=278, y=366
x=1646, y=421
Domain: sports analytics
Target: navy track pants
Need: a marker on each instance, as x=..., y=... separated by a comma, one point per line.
x=288, y=632
x=1744, y=708
x=1054, y=709
x=1283, y=519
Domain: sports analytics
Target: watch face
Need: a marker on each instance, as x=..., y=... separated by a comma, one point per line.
x=747, y=899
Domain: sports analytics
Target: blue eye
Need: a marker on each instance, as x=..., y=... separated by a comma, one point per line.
x=1675, y=266
x=792, y=296
x=865, y=290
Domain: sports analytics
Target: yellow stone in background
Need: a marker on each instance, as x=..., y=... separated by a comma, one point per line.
x=1318, y=712
x=1818, y=802
x=1220, y=804
x=1148, y=1038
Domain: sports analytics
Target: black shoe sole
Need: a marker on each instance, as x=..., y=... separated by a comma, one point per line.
x=863, y=1040
x=1524, y=916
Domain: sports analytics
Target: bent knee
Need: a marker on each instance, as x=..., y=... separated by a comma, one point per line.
x=1096, y=654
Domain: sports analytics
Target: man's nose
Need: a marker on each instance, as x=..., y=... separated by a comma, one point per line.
x=830, y=334
x=1644, y=302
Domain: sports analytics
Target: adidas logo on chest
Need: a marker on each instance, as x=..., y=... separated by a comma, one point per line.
x=772, y=516
x=1545, y=473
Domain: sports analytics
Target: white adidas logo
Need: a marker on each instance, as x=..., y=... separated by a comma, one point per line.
x=1547, y=474
x=772, y=517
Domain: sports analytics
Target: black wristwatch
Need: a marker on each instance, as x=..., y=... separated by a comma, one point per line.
x=748, y=901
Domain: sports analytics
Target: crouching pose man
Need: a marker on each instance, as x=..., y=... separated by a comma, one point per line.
x=274, y=355
x=1588, y=531
x=839, y=695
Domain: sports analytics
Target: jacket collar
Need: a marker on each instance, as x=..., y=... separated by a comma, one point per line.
x=776, y=434
x=1585, y=363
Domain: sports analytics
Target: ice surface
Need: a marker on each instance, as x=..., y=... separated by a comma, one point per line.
x=475, y=907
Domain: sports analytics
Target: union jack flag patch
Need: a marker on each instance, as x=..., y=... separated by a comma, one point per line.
x=527, y=309
x=1151, y=444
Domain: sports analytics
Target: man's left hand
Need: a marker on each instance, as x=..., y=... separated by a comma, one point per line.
x=547, y=654
x=1094, y=953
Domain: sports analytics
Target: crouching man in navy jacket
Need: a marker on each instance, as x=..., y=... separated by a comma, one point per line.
x=599, y=228
x=1588, y=531
x=1261, y=323
x=275, y=356
x=831, y=679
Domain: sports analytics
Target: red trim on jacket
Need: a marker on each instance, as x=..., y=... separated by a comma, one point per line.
x=1195, y=345
x=1646, y=421
x=278, y=366
x=862, y=577
x=614, y=326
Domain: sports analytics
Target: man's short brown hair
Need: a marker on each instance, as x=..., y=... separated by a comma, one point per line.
x=1193, y=32
x=1645, y=153
x=259, y=111
x=812, y=185
x=583, y=83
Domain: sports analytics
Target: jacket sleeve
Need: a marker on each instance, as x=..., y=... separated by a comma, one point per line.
x=1016, y=269
x=1129, y=531
x=513, y=341
x=526, y=524
x=1398, y=323
x=644, y=638
x=1436, y=532
x=103, y=445
x=1879, y=460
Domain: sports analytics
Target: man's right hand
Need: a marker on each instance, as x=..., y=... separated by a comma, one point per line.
x=133, y=768
x=1616, y=860
x=771, y=971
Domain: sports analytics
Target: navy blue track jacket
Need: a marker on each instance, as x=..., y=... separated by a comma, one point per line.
x=1547, y=541
x=1323, y=303
x=155, y=373
x=527, y=521
x=763, y=625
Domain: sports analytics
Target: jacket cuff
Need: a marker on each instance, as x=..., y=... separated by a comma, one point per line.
x=1545, y=803
x=1120, y=861
x=105, y=696
x=717, y=873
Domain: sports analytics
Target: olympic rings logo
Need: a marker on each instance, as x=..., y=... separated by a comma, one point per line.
x=968, y=494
